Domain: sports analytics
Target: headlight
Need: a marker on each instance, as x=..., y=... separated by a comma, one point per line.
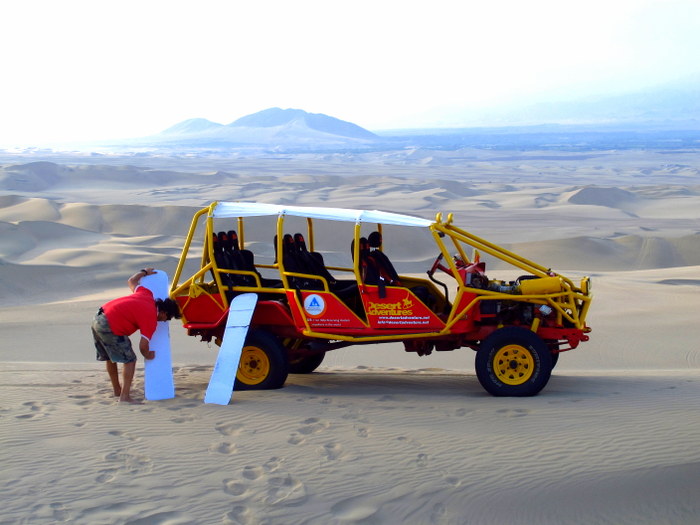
x=586, y=285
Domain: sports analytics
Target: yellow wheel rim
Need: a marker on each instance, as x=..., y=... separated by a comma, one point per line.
x=254, y=366
x=513, y=364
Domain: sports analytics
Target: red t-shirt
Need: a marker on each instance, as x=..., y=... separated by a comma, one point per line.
x=133, y=312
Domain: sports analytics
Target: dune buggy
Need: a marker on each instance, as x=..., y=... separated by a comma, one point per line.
x=314, y=297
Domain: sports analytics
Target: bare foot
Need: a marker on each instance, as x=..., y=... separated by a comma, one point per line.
x=130, y=400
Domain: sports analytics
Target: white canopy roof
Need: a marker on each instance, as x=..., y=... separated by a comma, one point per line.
x=256, y=209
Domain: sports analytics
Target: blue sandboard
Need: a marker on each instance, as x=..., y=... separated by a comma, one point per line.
x=158, y=372
x=223, y=376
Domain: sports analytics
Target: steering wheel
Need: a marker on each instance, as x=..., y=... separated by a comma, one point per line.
x=437, y=265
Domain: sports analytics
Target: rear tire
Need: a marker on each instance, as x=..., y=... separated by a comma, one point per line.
x=264, y=364
x=513, y=361
x=306, y=364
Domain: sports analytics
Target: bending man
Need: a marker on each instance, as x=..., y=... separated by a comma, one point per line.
x=118, y=319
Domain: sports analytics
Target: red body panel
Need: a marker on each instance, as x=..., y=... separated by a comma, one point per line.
x=323, y=311
x=399, y=309
x=204, y=308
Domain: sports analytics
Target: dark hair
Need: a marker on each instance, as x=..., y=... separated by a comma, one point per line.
x=169, y=307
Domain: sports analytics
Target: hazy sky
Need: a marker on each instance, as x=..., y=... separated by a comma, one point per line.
x=96, y=69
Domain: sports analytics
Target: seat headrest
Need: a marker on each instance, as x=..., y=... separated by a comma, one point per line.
x=288, y=243
x=375, y=240
x=300, y=242
x=364, y=246
x=233, y=239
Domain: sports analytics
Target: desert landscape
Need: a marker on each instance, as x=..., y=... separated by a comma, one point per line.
x=375, y=435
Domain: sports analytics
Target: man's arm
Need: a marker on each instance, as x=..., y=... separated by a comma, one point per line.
x=145, y=348
x=134, y=279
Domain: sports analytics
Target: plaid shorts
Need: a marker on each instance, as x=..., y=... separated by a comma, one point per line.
x=110, y=347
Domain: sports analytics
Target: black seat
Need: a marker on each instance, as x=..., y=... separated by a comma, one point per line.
x=229, y=256
x=369, y=271
x=291, y=262
x=229, y=243
x=222, y=257
x=311, y=262
x=387, y=272
x=244, y=260
x=388, y=276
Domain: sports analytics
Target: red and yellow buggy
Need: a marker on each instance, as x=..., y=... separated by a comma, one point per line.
x=311, y=302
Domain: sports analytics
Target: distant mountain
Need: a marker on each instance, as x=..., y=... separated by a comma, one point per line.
x=653, y=118
x=676, y=104
x=276, y=117
x=671, y=104
x=193, y=125
x=271, y=128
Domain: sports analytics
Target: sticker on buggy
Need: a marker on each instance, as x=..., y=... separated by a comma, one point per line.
x=314, y=305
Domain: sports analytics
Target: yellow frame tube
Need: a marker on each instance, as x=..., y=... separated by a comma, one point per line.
x=186, y=248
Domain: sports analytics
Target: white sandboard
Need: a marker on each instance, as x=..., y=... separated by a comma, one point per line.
x=223, y=376
x=158, y=372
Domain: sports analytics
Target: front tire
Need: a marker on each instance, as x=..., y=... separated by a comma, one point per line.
x=555, y=359
x=263, y=364
x=513, y=361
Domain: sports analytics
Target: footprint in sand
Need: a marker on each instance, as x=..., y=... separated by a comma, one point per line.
x=312, y=425
x=106, y=475
x=252, y=473
x=241, y=515
x=295, y=439
x=439, y=514
x=453, y=481
x=125, y=435
x=56, y=512
x=351, y=414
x=128, y=462
x=266, y=483
x=409, y=440
x=228, y=429
x=223, y=448
x=272, y=464
x=36, y=410
x=355, y=509
x=184, y=405
x=422, y=460
x=332, y=451
x=160, y=518
x=362, y=432
x=513, y=412
x=122, y=462
x=82, y=399
x=285, y=490
x=183, y=419
x=234, y=487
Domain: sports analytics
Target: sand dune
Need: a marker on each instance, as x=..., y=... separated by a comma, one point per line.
x=376, y=435
x=365, y=446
